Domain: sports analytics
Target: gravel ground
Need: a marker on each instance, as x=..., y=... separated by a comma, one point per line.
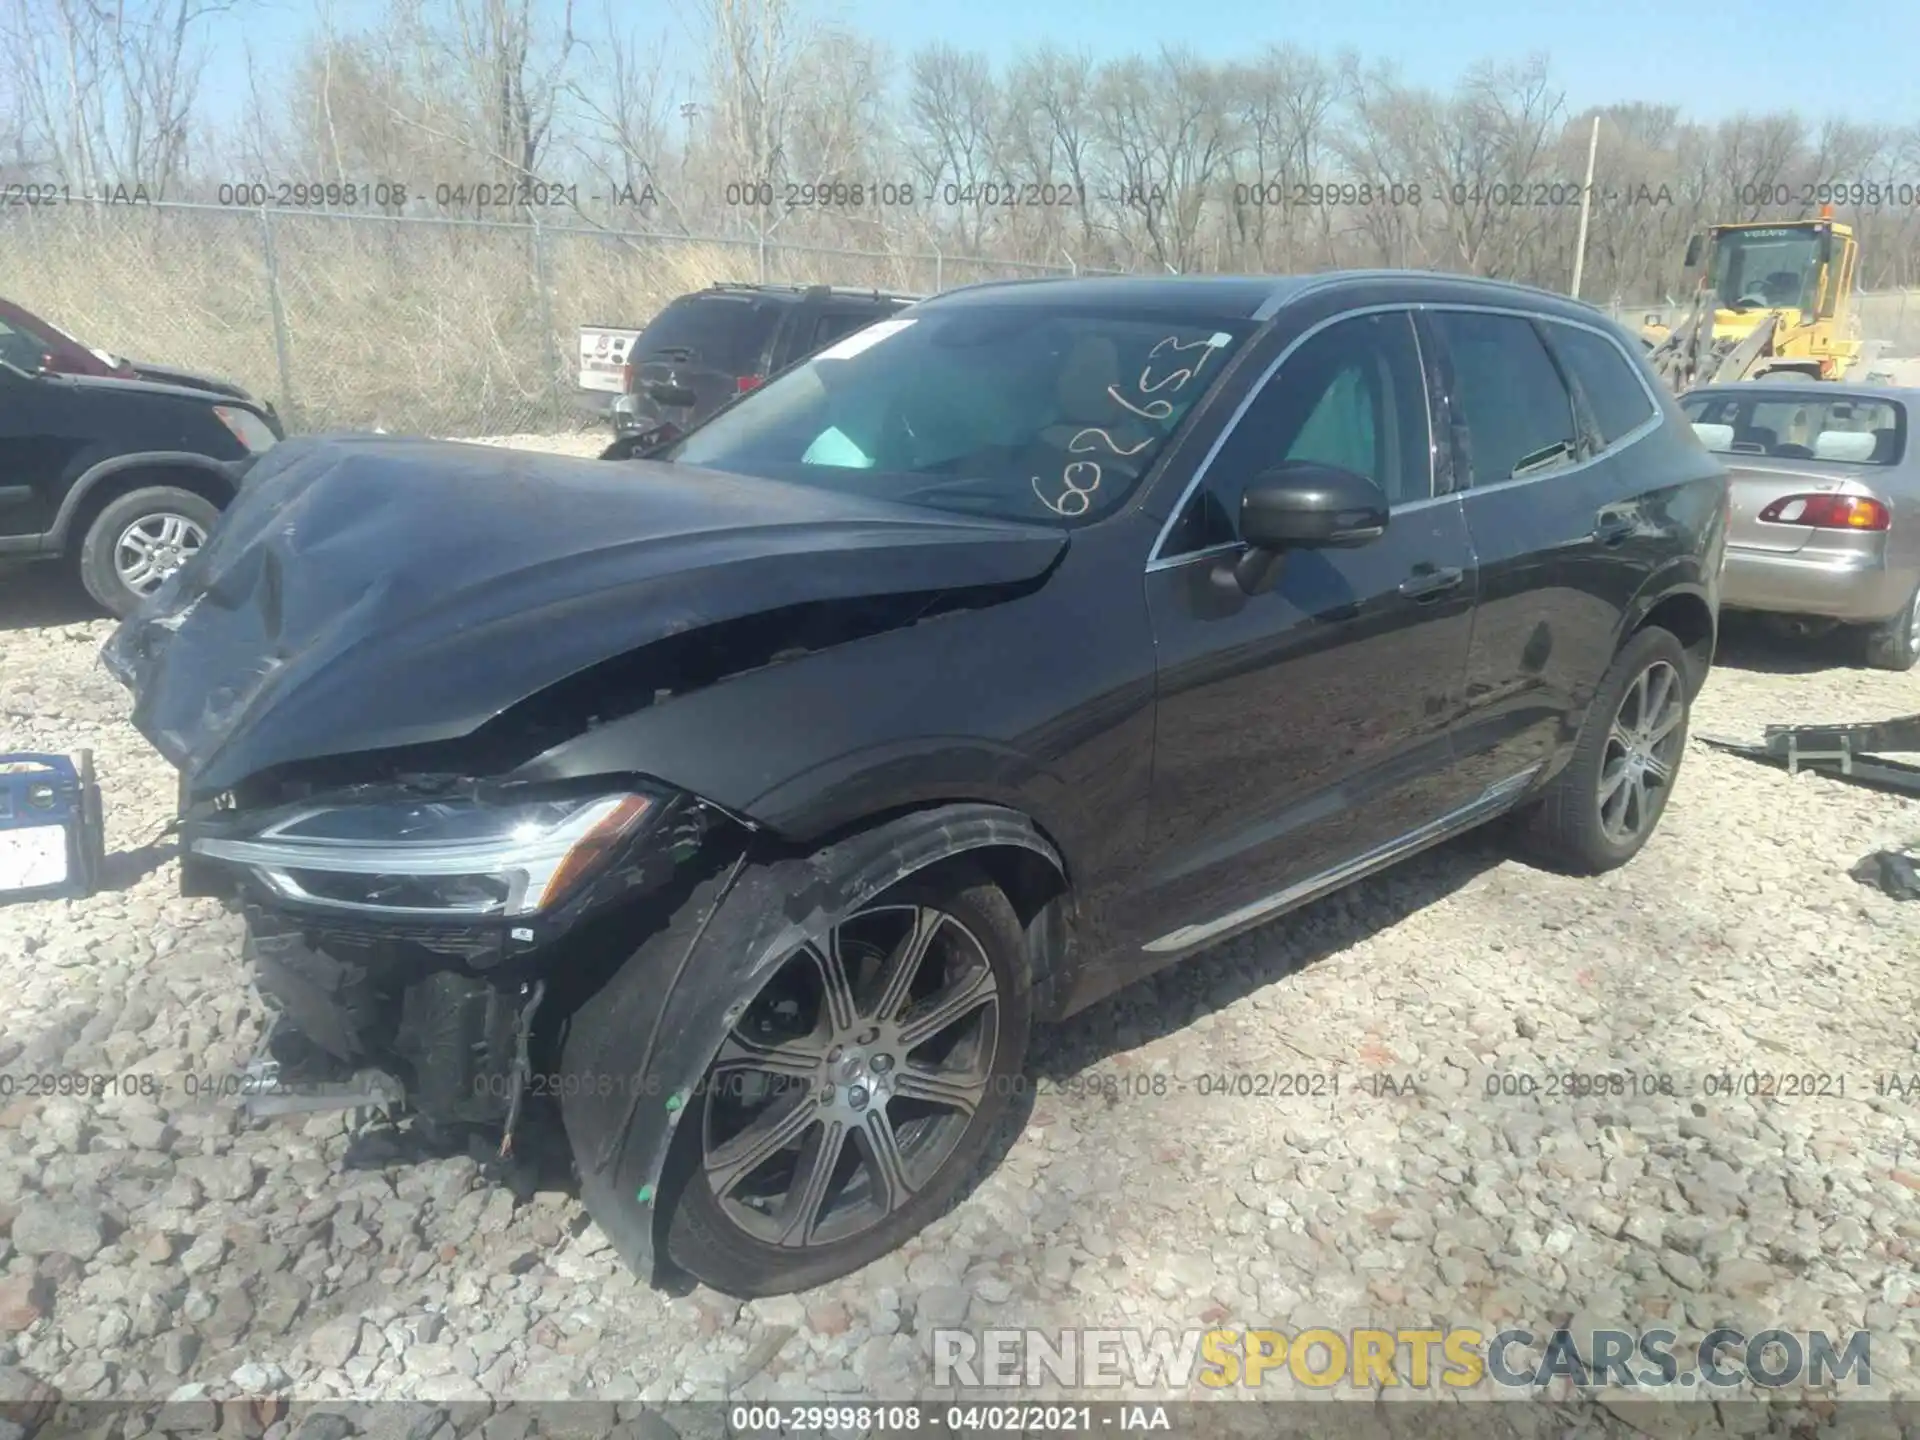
x=150, y=1244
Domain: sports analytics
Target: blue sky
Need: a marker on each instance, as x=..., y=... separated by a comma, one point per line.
x=1714, y=59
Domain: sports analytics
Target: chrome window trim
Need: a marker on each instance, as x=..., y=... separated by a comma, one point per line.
x=1158, y=561
x=1155, y=560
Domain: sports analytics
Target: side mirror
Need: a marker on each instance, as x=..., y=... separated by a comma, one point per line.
x=1695, y=245
x=1302, y=505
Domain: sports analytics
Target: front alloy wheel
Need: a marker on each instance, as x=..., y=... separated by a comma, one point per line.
x=854, y=1093
x=153, y=547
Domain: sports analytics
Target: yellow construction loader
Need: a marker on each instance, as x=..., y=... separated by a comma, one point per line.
x=1772, y=300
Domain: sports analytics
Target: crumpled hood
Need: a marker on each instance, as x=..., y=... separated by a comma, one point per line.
x=363, y=593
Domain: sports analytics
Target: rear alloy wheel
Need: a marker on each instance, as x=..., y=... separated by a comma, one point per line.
x=1604, y=806
x=1641, y=753
x=140, y=540
x=856, y=1092
x=1895, y=644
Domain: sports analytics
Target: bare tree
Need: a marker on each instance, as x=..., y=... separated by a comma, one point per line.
x=106, y=97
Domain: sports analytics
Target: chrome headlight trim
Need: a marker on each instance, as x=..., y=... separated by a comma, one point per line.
x=531, y=863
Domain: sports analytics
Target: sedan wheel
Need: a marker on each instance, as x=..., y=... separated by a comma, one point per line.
x=854, y=1094
x=1895, y=644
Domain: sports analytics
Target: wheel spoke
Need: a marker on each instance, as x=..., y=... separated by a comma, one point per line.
x=1618, y=738
x=961, y=1092
x=903, y=965
x=1657, y=770
x=139, y=542
x=792, y=1059
x=1659, y=691
x=949, y=1006
x=1611, y=779
x=836, y=984
x=1668, y=723
x=171, y=530
x=812, y=1184
x=770, y=1132
x=1613, y=811
x=1636, y=697
x=879, y=1146
x=1635, y=814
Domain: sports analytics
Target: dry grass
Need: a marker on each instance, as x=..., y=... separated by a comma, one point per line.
x=417, y=327
x=421, y=327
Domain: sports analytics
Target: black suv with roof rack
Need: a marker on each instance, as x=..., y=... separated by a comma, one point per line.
x=707, y=347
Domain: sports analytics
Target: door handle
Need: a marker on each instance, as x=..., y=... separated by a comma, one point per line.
x=1612, y=529
x=1428, y=583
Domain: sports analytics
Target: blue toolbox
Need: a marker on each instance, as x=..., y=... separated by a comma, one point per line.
x=52, y=840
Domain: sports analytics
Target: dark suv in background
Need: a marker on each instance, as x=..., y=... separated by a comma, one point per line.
x=123, y=478
x=704, y=349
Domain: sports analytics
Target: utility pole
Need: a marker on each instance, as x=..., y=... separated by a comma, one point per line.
x=1586, y=206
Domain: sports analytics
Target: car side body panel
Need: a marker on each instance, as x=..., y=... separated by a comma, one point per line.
x=1000, y=704
x=58, y=432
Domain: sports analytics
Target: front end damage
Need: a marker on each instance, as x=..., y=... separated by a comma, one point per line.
x=416, y=695
x=456, y=1018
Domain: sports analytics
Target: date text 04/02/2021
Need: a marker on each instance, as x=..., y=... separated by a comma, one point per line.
x=973, y=1419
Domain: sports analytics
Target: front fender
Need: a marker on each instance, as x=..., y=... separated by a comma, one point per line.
x=634, y=1059
x=105, y=470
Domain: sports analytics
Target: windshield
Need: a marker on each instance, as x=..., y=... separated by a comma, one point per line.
x=1766, y=269
x=1800, y=427
x=1018, y=411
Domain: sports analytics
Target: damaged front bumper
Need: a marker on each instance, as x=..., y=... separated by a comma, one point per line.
x=440, y=1015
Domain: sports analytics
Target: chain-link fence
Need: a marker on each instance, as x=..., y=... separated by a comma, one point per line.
x=435, y=326
x=442, y=326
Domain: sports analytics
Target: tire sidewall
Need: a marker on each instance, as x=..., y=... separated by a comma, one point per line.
x=1643, y=651
x=96, y=561
x=702, y=1240
x=1891, y=647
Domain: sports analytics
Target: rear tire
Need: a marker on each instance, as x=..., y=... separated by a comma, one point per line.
x=1604, y=806
x=172, y=524
x=1895, y=644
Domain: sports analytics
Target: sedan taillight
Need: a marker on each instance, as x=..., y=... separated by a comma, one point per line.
x=1829, y=512
x=744, y=383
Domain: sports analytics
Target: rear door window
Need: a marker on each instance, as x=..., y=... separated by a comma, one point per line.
x=1619, y=401
x=1508, y=393
x=1780, y=426
x=727, y=333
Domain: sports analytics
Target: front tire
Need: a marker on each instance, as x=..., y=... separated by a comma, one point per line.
x=853, y=1100
x=1895, y=644
x=1604, y=806
x=139, y=540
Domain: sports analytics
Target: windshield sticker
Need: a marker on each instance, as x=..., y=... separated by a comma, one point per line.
x=1081, y=478
x=863, y=340
x=833, y=447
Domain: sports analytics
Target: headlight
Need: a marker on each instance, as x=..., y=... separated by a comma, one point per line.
x=457, y=858
x=248, y=428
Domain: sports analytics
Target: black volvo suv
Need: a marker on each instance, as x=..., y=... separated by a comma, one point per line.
x=757, y=797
